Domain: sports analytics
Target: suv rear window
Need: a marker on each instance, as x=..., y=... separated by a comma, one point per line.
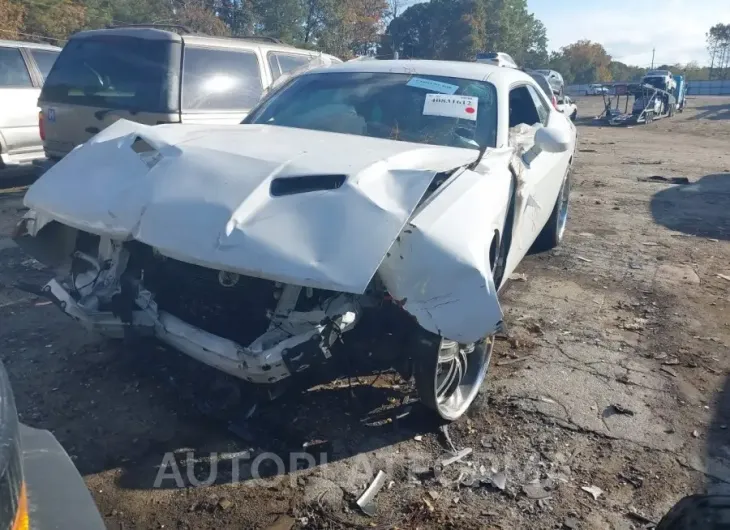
x=116, y=73
x=215, y=79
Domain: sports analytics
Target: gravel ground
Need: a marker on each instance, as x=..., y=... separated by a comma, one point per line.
x=609, y=399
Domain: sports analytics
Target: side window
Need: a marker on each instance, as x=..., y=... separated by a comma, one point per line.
x=522, y=107
x=215, y=79
x=44, y=59
x=542, y=109
x=13, y=71
x=282, y=63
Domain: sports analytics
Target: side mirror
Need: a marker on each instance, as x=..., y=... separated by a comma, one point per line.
x=552, y=139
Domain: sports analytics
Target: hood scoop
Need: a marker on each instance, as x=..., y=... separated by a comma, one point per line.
x=304, y=184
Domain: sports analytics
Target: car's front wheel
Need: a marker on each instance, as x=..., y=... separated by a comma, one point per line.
x=554, y=230
x=449, y=375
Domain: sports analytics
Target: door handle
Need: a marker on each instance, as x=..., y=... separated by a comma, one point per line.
x=92, y=130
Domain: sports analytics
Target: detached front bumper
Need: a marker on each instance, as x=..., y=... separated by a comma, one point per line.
x=267, y=360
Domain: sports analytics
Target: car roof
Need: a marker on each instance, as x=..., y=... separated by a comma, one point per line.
x=33, y=45
x=460, y=69
x=201, y=40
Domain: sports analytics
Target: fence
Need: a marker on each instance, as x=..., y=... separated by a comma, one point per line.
x=720, y=87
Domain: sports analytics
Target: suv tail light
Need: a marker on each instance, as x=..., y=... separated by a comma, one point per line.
x=41, y=126
x=555, y=102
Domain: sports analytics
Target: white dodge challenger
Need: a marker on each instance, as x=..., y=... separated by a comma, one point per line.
x=371, y=200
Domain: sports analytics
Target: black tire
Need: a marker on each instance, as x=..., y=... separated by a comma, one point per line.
x=552, y=233
x=428, y=381
x=574, y=116
x=697, y=512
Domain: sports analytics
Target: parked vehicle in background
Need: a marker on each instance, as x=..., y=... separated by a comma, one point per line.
x=596, y=90
x=661, y=79
x=542, y=80
x=23, y=68
x=568, y=107
x=555, y=79
x=680, y=92
x=496, y=59
x=152, y=75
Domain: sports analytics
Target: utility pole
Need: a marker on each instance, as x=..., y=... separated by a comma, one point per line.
x=652, y=58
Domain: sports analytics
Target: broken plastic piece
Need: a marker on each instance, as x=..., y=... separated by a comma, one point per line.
x=366, y=502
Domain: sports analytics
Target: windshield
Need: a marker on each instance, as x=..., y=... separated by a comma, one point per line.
x=411, y=108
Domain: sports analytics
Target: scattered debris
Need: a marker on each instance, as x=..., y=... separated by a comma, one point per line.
x=444, y=429
x=284, y=522
x=587, y=150
x=669, y=371
x=499, y=481
x=571, y=523
x=518, y=277
x=636, y=482
x=650, y=244
x=595, y=491
x=434, y=494
x=636, y=516
x=620, y=409
x=535, y=491
x=638, y=324
x=319, y=490
x=224, y=504
x=671, y=180
x=428, y=505
x=696, y=433
x=581, y=258
x=513, y=361
x=724, y=277
x=366, y=502
x=671, y=362
x=460, y=455
x=418, y=438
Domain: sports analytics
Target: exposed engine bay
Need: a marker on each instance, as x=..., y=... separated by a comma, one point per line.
x=259, y=330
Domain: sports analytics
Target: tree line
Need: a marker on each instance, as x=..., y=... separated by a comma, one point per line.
x=438, y=29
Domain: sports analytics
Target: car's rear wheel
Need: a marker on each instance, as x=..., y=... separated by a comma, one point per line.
x=554, y=230
x=574, y=115
x=449, y=375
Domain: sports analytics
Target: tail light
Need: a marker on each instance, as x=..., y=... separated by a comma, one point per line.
x=555, y=102
x=41, y=126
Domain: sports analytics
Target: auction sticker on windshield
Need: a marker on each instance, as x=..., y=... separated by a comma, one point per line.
x=464, y=107
x=430, y=84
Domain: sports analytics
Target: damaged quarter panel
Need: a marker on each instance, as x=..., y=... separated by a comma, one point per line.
x=439, y=266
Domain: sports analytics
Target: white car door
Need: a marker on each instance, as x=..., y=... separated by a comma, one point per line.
x=543, y=172
x=18, y=103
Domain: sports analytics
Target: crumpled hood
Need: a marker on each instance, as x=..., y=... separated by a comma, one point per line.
x=203, y=194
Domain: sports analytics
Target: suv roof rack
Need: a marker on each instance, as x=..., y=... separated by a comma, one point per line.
x=179, y=27
x=263, y=38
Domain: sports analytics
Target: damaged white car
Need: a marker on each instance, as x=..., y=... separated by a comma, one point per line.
x=387, y=198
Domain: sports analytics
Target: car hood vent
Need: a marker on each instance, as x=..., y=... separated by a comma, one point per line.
x=295, y=185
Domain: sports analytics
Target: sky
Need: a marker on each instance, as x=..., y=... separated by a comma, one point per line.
x=630, y=30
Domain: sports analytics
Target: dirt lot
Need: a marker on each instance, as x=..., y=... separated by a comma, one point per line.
x=614, y=378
